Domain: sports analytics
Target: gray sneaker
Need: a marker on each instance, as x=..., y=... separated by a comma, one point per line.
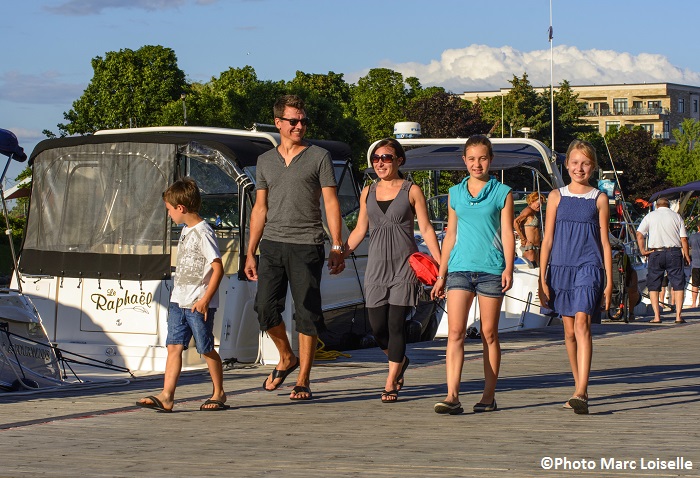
x=448, y=408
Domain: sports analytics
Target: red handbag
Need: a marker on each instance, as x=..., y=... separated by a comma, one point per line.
x=424, y=266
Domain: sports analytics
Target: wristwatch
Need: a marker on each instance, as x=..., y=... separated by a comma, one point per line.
x=336, y=247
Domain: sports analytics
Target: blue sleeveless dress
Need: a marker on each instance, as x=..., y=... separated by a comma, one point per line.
x=576, y=272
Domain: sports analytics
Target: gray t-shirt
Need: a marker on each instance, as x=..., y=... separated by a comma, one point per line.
x=294, y=194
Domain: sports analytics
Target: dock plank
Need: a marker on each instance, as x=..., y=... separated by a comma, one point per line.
x=645, y=389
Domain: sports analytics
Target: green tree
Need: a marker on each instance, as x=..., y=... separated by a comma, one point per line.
x=379, y=100
x=681, y=161
x=329, y=105
x=635, y=153
x=520, y=107
x=568, y=124
x=128, y=88
x=444, y=115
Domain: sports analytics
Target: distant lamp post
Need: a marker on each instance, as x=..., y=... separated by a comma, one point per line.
x=184, y=107
x=525, y=130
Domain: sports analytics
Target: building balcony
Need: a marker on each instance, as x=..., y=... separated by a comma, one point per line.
x=628, y=112
x=664, y=135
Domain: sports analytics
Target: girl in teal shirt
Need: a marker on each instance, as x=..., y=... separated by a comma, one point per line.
x=478, y=256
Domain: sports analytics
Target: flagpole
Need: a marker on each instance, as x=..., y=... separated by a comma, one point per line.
x=551, y=70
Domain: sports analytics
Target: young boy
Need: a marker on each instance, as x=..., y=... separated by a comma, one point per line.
x=194, y=298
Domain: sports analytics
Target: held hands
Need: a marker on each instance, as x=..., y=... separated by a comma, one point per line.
x=438, y=290
x=336, y=262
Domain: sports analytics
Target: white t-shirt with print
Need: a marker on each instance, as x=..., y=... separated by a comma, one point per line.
x=196, y=250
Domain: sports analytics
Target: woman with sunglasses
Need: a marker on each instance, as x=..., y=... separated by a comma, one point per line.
x=479, y=252
x=388, y=209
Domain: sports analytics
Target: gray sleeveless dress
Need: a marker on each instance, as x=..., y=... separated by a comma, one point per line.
x=388, y=277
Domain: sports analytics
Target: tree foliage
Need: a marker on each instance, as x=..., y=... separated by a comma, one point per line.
x=635, y=153
x=128, y=88
x=568, y=124
x=444, y=115
x=379, y=100
x=144, y=88
x=681, y=161
x=520, y=107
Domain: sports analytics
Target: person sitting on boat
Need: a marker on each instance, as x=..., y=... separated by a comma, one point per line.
x=527, y=225
x=388, y=209
x=194, y=299
x=478, y=257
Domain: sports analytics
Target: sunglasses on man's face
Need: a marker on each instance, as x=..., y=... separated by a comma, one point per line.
x=295, y=121
x=385, y=158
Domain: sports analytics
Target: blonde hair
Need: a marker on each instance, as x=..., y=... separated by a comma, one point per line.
x=586, y=148
x=532, y=197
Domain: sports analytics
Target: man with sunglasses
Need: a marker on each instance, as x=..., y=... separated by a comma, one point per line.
x=286, y=225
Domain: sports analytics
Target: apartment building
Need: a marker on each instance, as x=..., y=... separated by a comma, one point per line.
x=656, y=107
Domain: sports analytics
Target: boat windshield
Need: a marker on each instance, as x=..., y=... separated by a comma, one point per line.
x=96, y=211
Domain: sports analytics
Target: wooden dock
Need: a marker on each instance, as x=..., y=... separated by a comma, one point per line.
x=645, y=391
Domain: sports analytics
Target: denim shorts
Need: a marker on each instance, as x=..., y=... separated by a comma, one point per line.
x=479, y=283
x=183, y=324
x=670, y=261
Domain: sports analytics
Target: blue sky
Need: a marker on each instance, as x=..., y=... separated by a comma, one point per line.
x=459, y=44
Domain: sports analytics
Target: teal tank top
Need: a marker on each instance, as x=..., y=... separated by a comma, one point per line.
x=478, y=246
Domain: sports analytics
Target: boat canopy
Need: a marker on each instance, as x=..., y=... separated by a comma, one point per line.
x=445, y=154
x=677, y=191
x=96, y=204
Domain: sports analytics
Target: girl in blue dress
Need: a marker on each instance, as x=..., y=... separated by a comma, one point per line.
x=576, y=261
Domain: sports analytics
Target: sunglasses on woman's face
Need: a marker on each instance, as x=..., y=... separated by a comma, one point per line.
x=295, y=121
x=385, y=158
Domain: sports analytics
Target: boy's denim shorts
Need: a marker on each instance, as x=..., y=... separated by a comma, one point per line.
x=183, y=324
x=479, y=283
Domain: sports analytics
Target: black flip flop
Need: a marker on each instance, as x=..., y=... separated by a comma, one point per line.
x=388, y=394
x=300, y=389
x=281, y=374
x=156, y=404
x=219, y=406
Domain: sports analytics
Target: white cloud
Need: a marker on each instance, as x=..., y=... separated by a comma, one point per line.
x=481, y=67
x=95, y=7
x=26, y=135
x=46, y=88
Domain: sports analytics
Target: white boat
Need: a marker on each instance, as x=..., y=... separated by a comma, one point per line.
x=100, y=248
x=27, y=359
x=521, y=307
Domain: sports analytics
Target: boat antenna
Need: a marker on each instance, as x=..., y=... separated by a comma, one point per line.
x=551, y=71
x=625, y=212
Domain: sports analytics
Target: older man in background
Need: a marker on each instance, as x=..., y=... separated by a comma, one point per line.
x=667, y=248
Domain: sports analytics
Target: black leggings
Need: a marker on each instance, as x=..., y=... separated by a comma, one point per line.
x=387, y=323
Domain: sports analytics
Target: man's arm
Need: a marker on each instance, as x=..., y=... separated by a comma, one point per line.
x=257, y=224
x=336, y=260
x=641, y=243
